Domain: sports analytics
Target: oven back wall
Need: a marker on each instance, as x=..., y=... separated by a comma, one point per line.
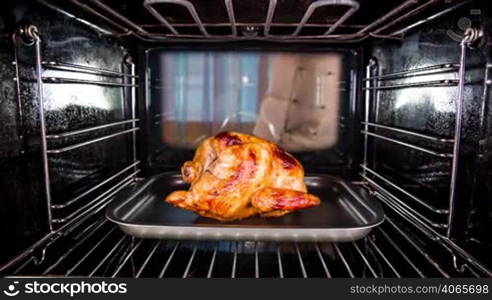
x=67, y=107
x=300, y=97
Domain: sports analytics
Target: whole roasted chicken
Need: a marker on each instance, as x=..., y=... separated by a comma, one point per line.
x=235, y=176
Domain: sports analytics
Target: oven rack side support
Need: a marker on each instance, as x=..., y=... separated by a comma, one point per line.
x=399, y=206
x=29, y=36
x=372, y=88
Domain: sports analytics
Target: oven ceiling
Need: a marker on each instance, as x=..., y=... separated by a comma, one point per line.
x=321, y=20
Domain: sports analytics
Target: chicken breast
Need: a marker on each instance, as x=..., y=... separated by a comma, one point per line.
x=235, y=176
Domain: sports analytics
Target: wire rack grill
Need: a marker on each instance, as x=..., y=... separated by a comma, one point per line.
x=98, y=248
x=279, y=20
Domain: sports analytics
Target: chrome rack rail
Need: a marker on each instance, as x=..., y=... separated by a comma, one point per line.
x=84, y=69
x=416, y=134
x=372, y=87
x=401, y=203
x=390, y=19
x=433, y=83
x=90, y=129
x=99, y=199
x=52, y=79
x=112, y=253
x=89, y=142
x=353, y=7
x=64, y=230
x=95, y=187
x=440, y=68
x=409, y=145
x=403, y=191
x=45, y=137
x=442, y=241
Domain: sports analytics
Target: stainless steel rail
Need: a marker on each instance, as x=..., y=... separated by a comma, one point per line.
x=439, y=68
x=83, y=21
x=84, y=69
x=432, y=83
x=405, y=192
x=398, y=202
x=234, y=261
x=432, y=262
x=411, y=13
x=212, y=261
x=409, y=132
x=392, y=18
x=354, y=6
x=64, y=230
x=383, y=256
x=344, y=261
x=190, y=261
x=378, y=255
x=148, y=4
x=99, y=139
x=94, y=12
x=62, y=80
x=256, y=24
x=257, y=262
x=430, y=18
x=44, y=142
x=144, y=264
x=301, y=262
x=108, y=255
x=100, y=199
x=401, y=252
x=119, y=16
x=90, y=129
x=77, y=244
x=387, y=16
x=457, y=134
x=127, y=257
x=95, y=187
x=322, y=260
x=269, y=18
x=93, y=248
x=365, y=260
x=230, y=14
x=168, y=261
x=409, y=145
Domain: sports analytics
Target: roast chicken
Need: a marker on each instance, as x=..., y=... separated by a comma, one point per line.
x=235, y=176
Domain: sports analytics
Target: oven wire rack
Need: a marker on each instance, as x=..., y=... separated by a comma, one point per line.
x=387, y=26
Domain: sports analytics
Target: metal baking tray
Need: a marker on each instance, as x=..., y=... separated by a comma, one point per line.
x=346, y=213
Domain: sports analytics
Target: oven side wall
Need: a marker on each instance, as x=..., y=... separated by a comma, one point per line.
x=23, y=213
x=431, y=111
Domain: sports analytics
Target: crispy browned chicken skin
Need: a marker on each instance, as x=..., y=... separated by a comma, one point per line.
x=235, y=176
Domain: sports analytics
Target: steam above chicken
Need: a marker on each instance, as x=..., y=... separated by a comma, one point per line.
x=235, y=176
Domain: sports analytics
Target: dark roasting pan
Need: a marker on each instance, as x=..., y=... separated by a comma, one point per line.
x=346, y=213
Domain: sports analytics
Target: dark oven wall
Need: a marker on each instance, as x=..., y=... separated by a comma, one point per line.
x=425, y=103
x=82, y=90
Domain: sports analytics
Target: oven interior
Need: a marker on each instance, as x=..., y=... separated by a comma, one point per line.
x=98, y=95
